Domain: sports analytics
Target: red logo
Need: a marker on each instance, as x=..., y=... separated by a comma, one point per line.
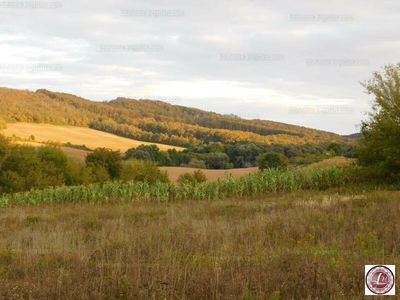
x=379, y=280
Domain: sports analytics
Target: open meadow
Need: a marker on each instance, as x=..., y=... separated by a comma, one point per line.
x=301, y=245
x=276, y=234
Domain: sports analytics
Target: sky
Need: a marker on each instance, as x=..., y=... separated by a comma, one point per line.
x=296, y=62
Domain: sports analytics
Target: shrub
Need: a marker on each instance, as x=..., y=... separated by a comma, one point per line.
x=143, y=171
x=109, y=159
x=54, y=164
x=272, y=160
x=78, y=173
x=11, y=181
x=217, y=161
x=196, y=163
x=186, y=178
x=99, y=174
x=197, y=177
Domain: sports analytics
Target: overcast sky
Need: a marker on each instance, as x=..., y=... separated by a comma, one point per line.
x=297, y=62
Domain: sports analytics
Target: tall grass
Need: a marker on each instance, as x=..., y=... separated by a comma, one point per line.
x=301, y=245
x=255, y=184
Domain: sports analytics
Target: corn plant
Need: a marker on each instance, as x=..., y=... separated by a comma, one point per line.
x=267, y=181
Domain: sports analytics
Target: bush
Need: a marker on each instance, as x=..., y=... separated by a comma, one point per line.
x=109, y=159
x=196, y=163
x=78, y=173
x=99, y=174
x=197, y=177
x=186, y=178
x=39, y=168
x=272, y=160
x=217, y=161
x=144, y=171
x=54, y=165
x=11, y=182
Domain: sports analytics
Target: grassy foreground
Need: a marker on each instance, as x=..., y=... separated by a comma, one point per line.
x=301, y=245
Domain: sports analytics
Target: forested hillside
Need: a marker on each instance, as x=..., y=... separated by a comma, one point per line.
x=151, y=121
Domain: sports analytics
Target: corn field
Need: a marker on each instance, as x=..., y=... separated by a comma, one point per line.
x=255, y=184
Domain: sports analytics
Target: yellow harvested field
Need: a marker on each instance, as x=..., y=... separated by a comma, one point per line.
x=77, y=153
x=76, y=135
x=175, y=172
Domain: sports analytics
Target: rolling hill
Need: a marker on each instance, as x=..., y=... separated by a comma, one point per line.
x=151, y=121
x=75, y=135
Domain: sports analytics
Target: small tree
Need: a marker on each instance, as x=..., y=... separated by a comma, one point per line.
x=109, y=159
x=380, y=145
x=54, y=165
x=217, y=161
x=135, y=170
x=197, y=177
x=196, y=163
x=99, y=174
x=272, y=160
x=186, y=178
x=336, y=148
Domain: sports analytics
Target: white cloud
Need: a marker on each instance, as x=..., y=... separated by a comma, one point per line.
x=188, y=65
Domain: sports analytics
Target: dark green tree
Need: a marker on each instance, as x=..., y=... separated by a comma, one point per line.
x=196, y=163
x=272, y=160
x=336, y=148
x=217, y=161
x=109, y=159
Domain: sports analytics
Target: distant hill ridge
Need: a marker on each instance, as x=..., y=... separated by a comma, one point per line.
x=151, y=121
x=357, y=135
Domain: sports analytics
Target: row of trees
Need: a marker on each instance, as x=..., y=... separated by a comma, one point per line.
x=238, y=155
x=23, y=168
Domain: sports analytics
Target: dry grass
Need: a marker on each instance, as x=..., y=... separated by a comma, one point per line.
x=76, y=153
x=76, y=135
x=337, y=161
x=175, y=172
x=288, y=246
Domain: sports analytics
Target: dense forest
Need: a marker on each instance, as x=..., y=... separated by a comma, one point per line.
x=152, y=121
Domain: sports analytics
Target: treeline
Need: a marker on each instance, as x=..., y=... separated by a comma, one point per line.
x=25, y=168
x=151, y=121
x=238, y=155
